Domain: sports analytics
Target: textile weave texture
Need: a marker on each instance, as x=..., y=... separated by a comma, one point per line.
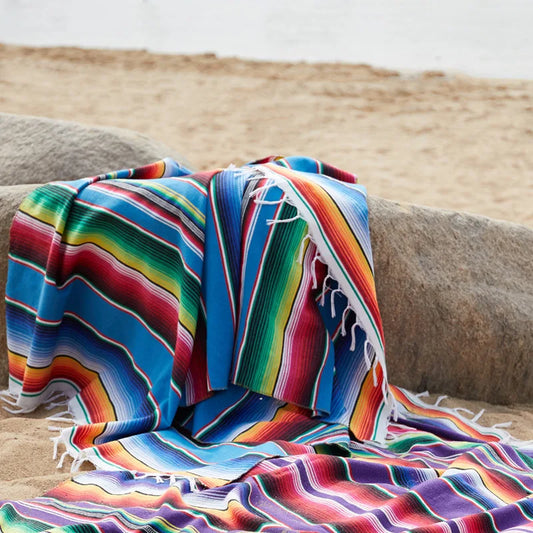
x=216, y=341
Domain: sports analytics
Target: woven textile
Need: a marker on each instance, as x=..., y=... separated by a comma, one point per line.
x=216, y=340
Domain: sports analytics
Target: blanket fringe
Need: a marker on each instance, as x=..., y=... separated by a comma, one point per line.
x=48, y=402
x=497, y=430
x=171, y=479
x=440, y=399
x=347, y=309
x=79, y=457
x=64, y=416
x=458, y=410
x=371, y=355
x=478, y=416
x=11, y=399
x=302, y=249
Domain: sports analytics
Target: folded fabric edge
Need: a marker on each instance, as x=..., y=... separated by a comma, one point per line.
x=373, y=342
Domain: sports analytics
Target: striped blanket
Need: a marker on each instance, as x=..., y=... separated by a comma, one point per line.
x=216, y=342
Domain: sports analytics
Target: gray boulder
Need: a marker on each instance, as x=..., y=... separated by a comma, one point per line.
x=455, y=295
x=35, y=150
x=39, y=150
x=456, y=298
x=455, y=290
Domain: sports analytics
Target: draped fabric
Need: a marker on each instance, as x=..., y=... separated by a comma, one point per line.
x=216, y=341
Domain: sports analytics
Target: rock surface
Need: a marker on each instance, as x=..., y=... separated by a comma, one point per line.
x=456, y=297
x=454, y=290
x=39, y=150
x=35, y=150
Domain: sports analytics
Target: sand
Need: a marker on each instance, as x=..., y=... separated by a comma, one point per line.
x=445, y=141
x=430, y=138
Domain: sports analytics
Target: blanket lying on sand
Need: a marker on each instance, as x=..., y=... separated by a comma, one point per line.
x=216, y=341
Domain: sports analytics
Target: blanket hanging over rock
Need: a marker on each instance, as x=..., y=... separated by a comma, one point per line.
x=216, y=340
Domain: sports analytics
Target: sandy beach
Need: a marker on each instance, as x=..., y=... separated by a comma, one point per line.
x=445, y=141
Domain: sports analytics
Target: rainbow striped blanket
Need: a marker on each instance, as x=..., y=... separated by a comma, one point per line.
x=216, y=342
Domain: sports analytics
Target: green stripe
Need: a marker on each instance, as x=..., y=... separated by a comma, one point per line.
x=11, y=521
x=266, y=320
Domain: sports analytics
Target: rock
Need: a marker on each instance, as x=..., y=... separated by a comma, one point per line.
x=456, y=297
x=36, y=150
x=39, y=150
x=454, y=290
